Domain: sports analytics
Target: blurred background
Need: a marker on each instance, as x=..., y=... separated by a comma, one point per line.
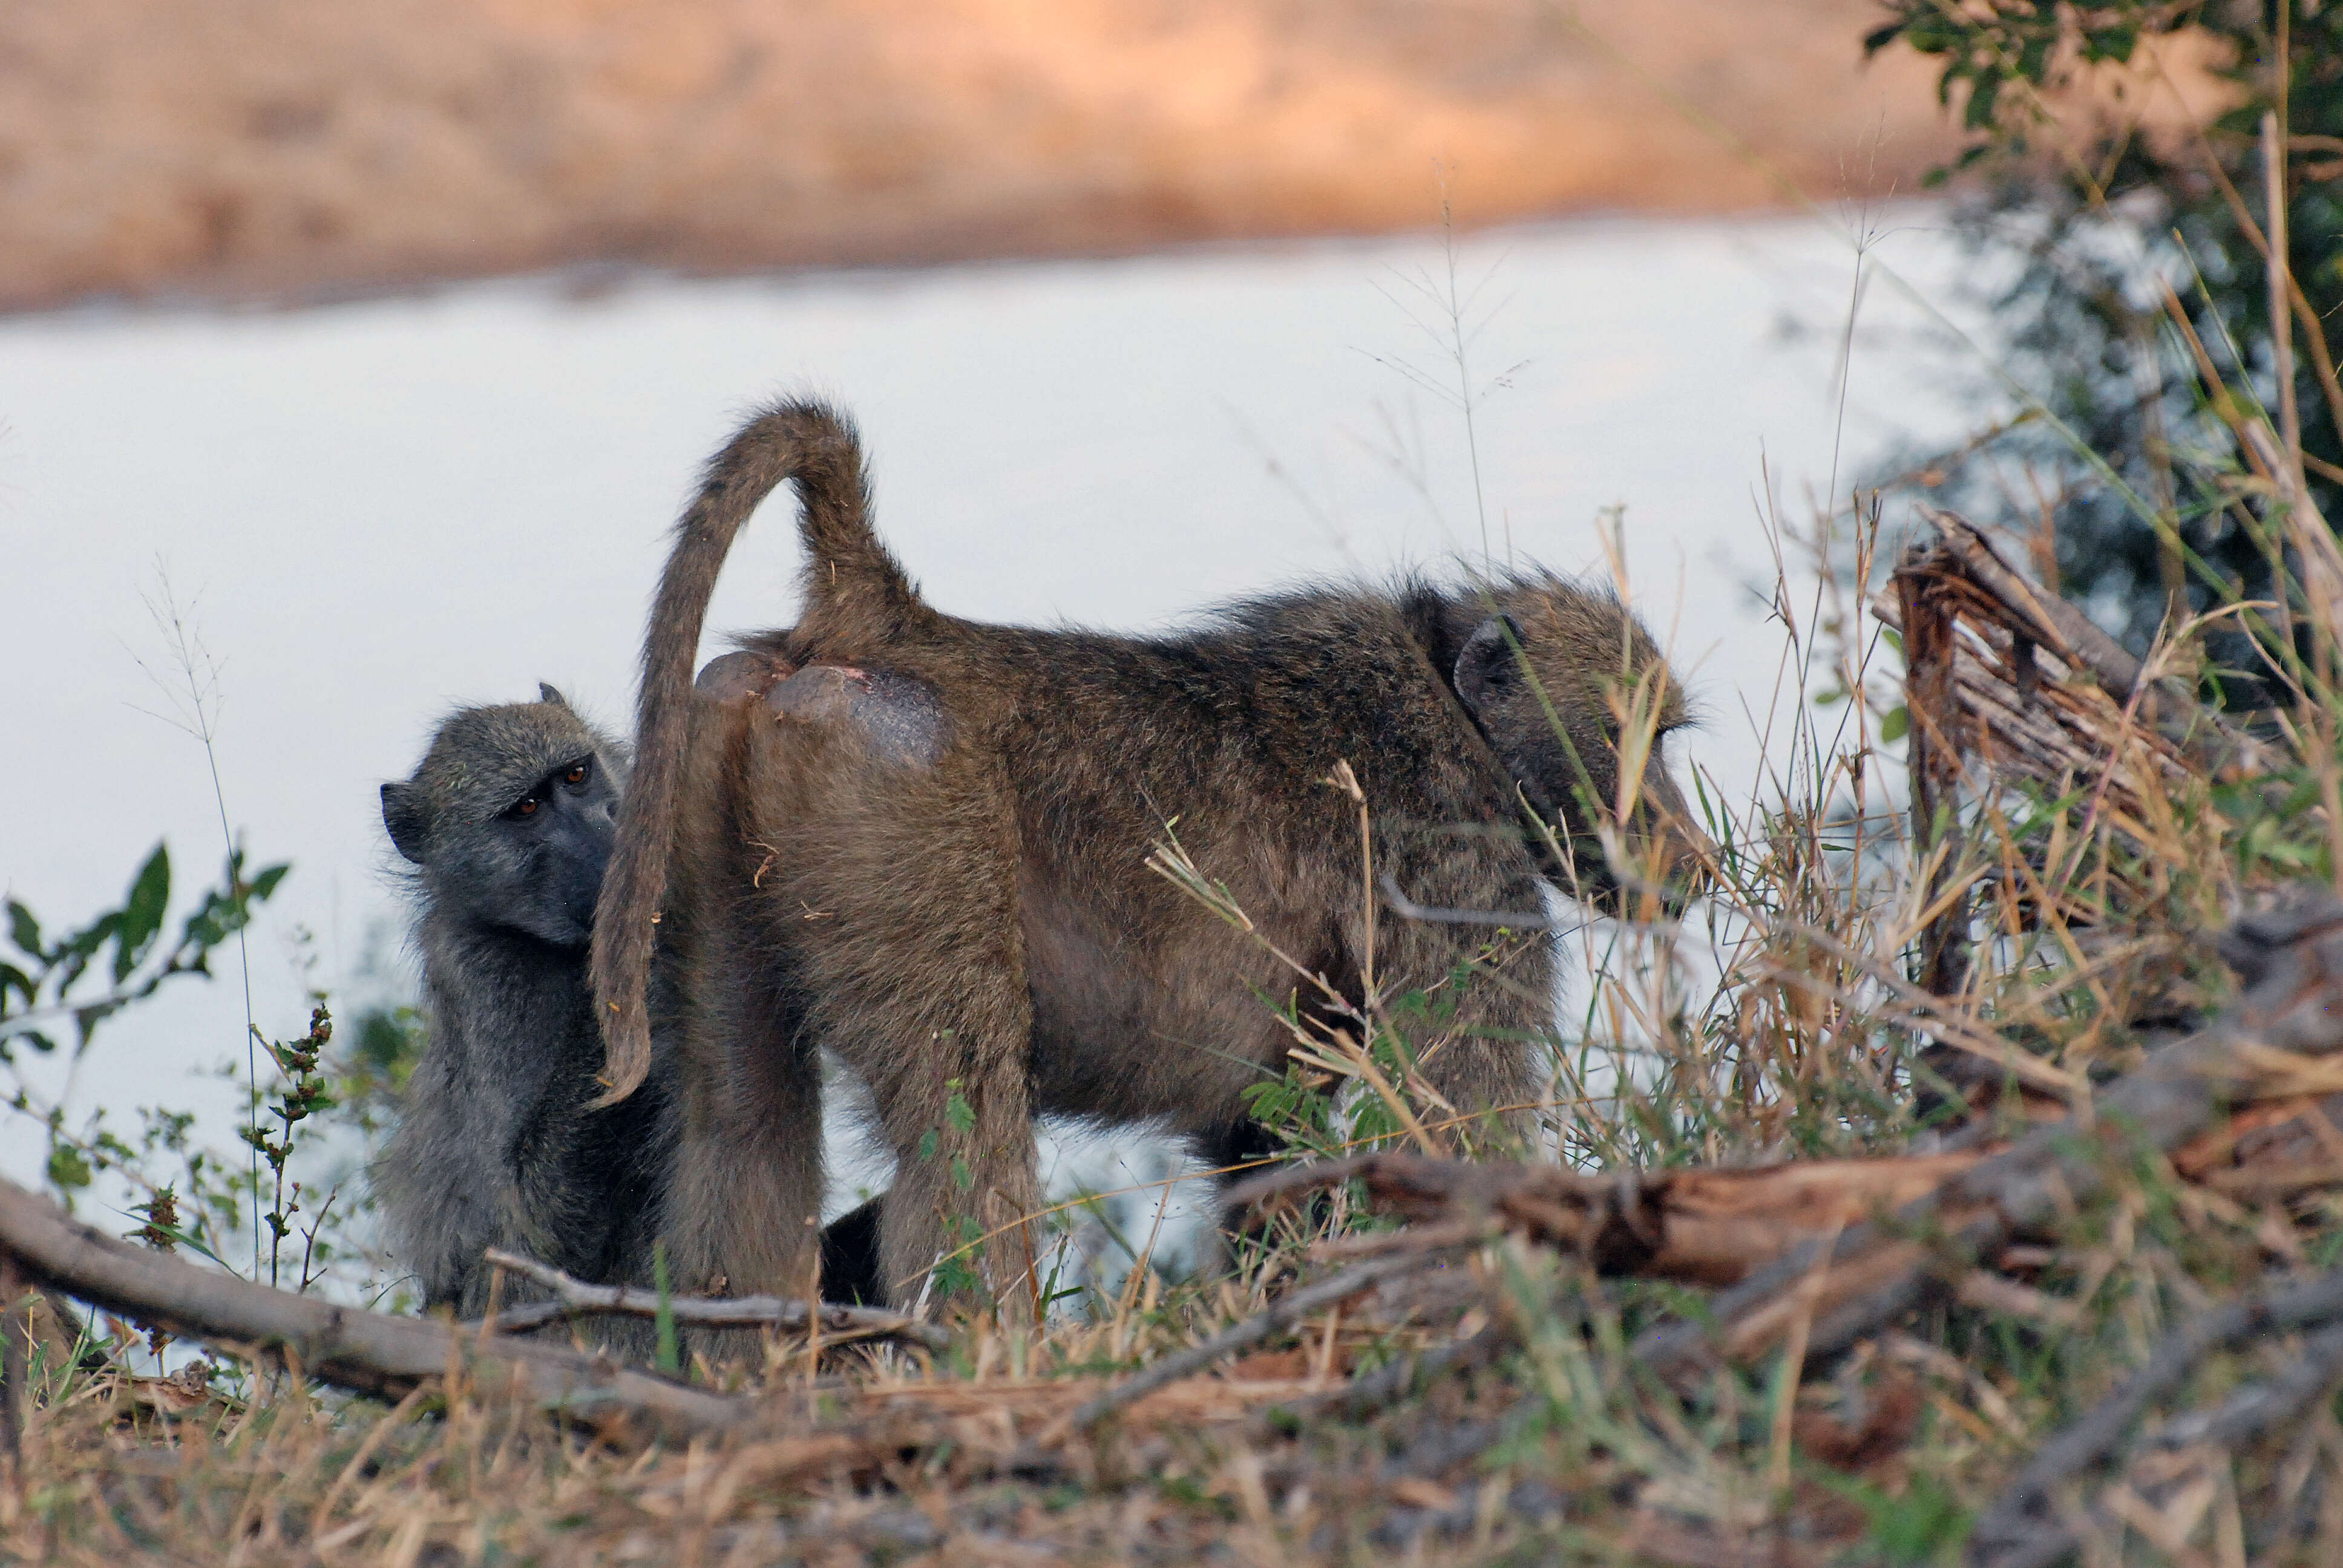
x=357, y=356
x=271, y=149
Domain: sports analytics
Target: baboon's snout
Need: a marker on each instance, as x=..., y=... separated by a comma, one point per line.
x=1664, y=853
x=1681, y=855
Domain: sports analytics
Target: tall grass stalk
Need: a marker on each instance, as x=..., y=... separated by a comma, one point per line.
x=193, y=699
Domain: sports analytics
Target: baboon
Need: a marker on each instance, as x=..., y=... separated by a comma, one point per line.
x=508, y=823
x=978, y=935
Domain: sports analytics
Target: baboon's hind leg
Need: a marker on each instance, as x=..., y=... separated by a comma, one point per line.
x=745, y=1207
x=744, y=1201
x=917, y=968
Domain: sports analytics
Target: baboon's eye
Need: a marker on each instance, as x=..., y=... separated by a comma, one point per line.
x=526, y=807
x=574, y=775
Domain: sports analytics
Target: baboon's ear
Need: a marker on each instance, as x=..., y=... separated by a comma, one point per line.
x=403, y=814
x=546, y=693
x=1487, y=659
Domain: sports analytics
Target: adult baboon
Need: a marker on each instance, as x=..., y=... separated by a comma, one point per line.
x=979, y=937
x=508, y=823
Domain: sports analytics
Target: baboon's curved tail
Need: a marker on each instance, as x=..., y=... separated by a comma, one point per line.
x=850, y=577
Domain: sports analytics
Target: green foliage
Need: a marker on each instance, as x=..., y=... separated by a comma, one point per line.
x=299, y=1092
x=669, y=1359
x=185, y=1194
x=1924, y=1522
x=85, y=976
x=2144, y=490
x=42, y=978
x=957, y=1274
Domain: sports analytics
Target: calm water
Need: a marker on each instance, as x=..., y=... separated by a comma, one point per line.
x=374, y=511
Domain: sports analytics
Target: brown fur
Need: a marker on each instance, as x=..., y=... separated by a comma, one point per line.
x=986, y=927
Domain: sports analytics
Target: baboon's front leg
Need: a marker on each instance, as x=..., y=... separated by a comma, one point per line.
x=1482, y=1058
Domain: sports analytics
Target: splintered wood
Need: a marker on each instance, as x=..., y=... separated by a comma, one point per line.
x=2008, y=685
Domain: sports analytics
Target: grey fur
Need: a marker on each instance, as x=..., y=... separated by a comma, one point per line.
x=501, y=1143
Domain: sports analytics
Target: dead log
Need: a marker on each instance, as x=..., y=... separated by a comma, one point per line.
x=2022, y=1530
x=369, y=1352
x=1701, y=1227
x=1933, y=752
x=2043, y=618
x=2291, y=1013
x=1901, y=1229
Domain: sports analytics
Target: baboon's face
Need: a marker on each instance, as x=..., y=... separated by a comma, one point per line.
x=511, y=819
x=1572, y=695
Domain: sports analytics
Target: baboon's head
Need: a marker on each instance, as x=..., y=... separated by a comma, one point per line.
x=510, y=817
x=1577, y=700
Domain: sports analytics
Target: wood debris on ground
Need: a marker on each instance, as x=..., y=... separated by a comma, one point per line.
x=1362, y=1387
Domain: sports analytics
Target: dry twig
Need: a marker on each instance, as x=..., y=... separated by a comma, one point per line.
x=2291, y=960
x=575, y=1298
x=2018, y=1531
x=1283, y=1312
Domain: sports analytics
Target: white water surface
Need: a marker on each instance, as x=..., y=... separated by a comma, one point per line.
x=375, y=511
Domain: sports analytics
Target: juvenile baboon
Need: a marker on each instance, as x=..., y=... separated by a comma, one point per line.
x=508, y=824
x=979, y=936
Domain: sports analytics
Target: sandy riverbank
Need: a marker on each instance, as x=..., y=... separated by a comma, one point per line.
x=280, y=148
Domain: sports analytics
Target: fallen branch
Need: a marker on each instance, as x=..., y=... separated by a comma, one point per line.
x=575, y=1298
x=370, y=1352
x=2257, y=1407
x=1283, y=1312
x=2291, y=960
x=2019, y=1532
x=1363, y=1396
x=1702, y=1227
x=16, y=1325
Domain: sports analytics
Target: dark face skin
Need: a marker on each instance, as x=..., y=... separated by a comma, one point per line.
x=560, y=832
x=535, y=866
x=1539, y=681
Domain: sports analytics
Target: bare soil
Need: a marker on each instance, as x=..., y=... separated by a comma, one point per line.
x=283, y=149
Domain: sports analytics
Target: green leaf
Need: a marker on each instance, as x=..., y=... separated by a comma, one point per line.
x=23, y=930
x=2034, y=61
x=141, y=912
x=2110, y=44
x=928, y=1144
x=266, y=883
x=1897, y=722
x=962, y=1177
x=75, y=949
x=68, y=1172
x=666, y=1357
x=957, y=1113
x=1978, y=115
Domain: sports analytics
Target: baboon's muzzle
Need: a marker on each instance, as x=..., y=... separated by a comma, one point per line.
x=1663, y=861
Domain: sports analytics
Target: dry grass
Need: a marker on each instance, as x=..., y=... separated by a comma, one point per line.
x=1862, y=980
x=1779, y=1024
